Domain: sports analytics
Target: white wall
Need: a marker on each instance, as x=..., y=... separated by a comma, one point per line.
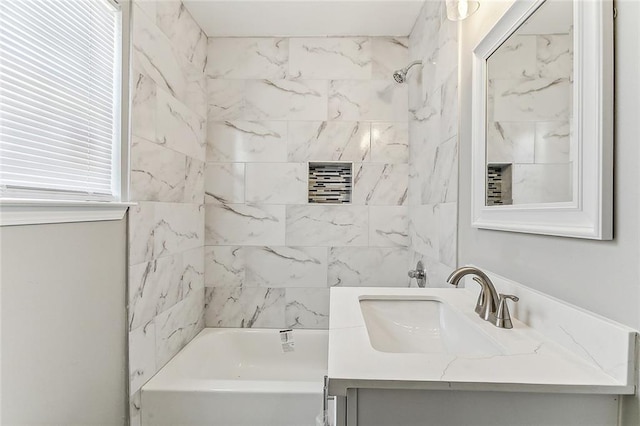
x=601, y=276
x=63, y=324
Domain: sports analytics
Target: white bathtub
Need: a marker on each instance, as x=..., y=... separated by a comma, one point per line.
x=240, y=377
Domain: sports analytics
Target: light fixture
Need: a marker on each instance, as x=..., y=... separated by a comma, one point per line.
x=457, y=10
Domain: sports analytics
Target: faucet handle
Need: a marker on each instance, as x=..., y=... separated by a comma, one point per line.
x=509, y=296
x=503, y=317
x=419, y=274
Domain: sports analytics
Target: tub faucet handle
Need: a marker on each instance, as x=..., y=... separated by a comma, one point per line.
x=503, y=317
x=419, y=274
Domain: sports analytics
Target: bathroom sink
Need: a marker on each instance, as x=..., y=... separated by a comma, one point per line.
x=422, y=326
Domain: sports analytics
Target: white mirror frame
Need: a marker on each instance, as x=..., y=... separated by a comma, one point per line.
x=590, y=214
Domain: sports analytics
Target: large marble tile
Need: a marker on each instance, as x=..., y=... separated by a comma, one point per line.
x=154, y=287
x=439, y=175
x=368, y=267
x=177, y=326
x=142, y=355
x=195, y=97
x=428, y=113
x=194, y=181
x=380, y=184
x=224, y=183
x=161, y=229
x=555, y=55
x=389, y=226
x=307, y=308
x=286, y=266
x=515, y=58
x=179, y=128
x=511, y=142
x=224, y=266
x=225, y=99
x=328, y=141
x=247, y=141
x=199, y=58
x=186, y=37
x=449, y=113
x=552, y=142
x=368, y=100
x=421, y=157
x=390, y=142
x=330, y=58
x=141, y=224
x=447, y=233
x=157, y=173
x=276, y=183
x=532, y=100
x=177, y=227
x=245, y=307
x=424, y=181
x=286, y=100
x=247, y=58
x=420, y=138
x=414, y=186
x=388, y=55
x=427, y=26
x=245, y=224
x=416, y=82
x=437, y=50
x=147, y=7
x=143, y=106
x=446, y=58
x=322, y=225
x=192, y=273
x=423, y=229
x=424, y=82
x=541, y=183
x=153, y=54
x=417, y=34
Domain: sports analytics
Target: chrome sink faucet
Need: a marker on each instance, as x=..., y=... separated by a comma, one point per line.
x=491, y=306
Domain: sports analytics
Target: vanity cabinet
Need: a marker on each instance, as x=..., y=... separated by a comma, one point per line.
x=423, y=356
x=385, y=407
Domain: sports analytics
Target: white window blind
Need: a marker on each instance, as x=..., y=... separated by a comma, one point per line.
x=60, y=72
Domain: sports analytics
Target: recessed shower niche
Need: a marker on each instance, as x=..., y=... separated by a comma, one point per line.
x=330, y=183
x=499, y=184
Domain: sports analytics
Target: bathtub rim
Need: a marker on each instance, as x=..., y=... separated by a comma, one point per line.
x=165, y=380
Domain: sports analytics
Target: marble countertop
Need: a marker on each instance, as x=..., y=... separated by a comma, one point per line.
x=530, y=362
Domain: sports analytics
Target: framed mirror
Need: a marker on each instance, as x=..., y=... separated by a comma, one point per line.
x=542, y=154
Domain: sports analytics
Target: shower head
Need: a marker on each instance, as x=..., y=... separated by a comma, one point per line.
x=400, y=76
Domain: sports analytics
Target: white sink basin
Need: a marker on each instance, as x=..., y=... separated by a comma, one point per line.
x=422, y=326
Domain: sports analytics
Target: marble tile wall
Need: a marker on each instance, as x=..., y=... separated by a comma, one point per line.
x=433, y=143
x=168, y=153
x=275, y=104
x=533, y=68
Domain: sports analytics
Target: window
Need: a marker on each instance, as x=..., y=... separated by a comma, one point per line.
x=61, y=115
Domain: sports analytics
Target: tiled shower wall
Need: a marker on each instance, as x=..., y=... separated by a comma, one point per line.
x=267, y=107
x=166, y=228
x=274, y=105
x=433, y=142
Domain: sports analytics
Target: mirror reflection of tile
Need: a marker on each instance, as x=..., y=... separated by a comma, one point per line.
x=529, y=110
